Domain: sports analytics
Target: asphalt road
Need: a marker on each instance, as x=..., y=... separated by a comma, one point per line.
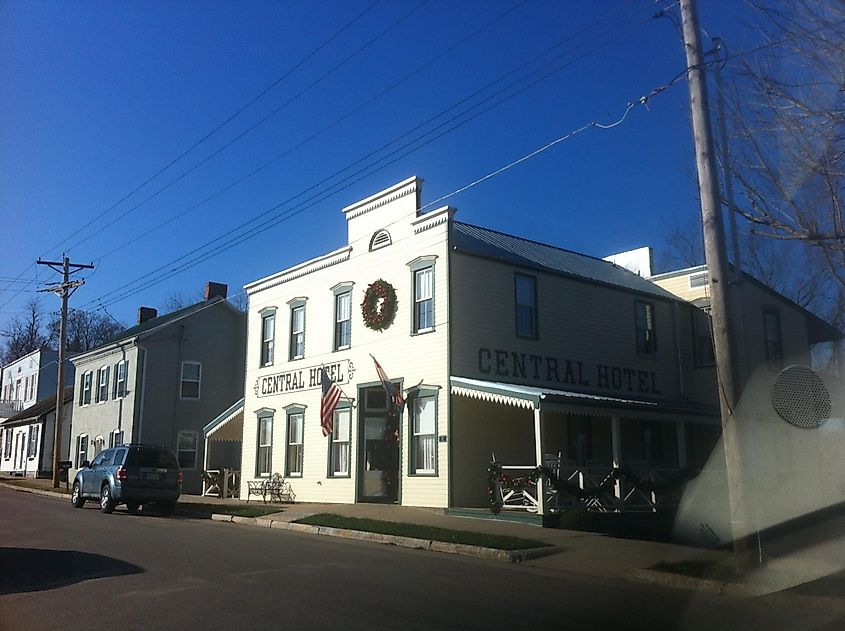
x=62, y=568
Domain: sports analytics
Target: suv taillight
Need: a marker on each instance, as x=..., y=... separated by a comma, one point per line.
x=179, y=477
x=121, y=473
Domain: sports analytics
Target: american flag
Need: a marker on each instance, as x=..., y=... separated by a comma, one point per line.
x=392, y=391
x=331, y=395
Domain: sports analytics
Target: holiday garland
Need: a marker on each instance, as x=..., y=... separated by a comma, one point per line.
x=379, y=306
x=496, y=479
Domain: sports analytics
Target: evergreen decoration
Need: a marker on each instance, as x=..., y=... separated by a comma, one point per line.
x=379, y=306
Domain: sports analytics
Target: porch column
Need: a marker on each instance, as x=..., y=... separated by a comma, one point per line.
x=681, y=433
x=205, y=465
x=616, y=450
x=538, y=448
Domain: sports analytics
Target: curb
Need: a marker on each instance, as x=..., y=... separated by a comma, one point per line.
x=511, y=556
x=26, y=489
x=690, y=583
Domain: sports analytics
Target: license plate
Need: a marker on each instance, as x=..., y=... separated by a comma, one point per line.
x=152, y=476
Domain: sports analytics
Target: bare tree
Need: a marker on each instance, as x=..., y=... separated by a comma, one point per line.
x=177, y=300
x=86, y=329
x=24, y=333
x=787, y=114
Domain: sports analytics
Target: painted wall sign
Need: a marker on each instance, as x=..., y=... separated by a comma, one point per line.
x=300, y=379
x=502, y=363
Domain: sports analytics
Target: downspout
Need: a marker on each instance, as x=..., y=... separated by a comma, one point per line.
x=177, y=392
x=138, y=427
x=678, y=353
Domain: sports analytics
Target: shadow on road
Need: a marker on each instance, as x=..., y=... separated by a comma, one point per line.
x=32, y=570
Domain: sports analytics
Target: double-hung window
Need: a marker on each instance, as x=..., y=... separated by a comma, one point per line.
x=121, y=371
x=102, y=384
x=32, y=447
x=116, y=438
x=525, y=299
x=187, y=449
x=339, y=444
x=85, y=395
x=264, y=456
x=646, y=334
x=342, y=320
x=773, y=339
x=190, y=382
x=424, y=299
x=297, y=331
x=81, y=450
x=423, y=435
x=293, y=455
x=268, y=336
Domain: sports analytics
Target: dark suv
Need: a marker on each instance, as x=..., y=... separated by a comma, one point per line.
x=131, y=475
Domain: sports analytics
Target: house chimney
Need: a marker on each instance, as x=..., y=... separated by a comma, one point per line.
x=146, y=313
x=215, y=290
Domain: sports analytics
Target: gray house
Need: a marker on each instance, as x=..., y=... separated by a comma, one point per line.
x=160, y=382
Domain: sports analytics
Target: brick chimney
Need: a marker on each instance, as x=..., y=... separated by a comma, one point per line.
x=215, y=290
x=146, y=313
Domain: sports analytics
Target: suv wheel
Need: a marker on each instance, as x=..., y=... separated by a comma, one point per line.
x=106, y=501
x=76, y=496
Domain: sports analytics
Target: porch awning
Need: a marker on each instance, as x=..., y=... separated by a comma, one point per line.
x=227, y=426
x=531, y=397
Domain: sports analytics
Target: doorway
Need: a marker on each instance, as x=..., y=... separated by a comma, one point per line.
x=378, y=475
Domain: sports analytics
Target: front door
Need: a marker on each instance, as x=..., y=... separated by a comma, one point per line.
x=20, y=447
x=378, y=475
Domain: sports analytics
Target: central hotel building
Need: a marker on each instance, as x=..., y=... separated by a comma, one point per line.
x=499, y=345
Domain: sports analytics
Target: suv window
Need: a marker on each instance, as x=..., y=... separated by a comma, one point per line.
x=119, y=455
x=151, y=457
x=106, y=457
x=98, y=460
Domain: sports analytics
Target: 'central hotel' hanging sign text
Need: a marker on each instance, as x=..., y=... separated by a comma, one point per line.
x=303, y=378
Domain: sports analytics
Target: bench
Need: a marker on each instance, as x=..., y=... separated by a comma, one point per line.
x=275, y=488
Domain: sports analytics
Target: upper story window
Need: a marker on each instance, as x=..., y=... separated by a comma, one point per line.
x=121, y=370
x=189, y=387
x=424, y=299
x=85, y=388
x=343, y=320
x=773, y=339
x=381, y=239
x=102, y=384
x=699, y=279
x=702, y=328
x=297, y=329
x=525, y=291
x=268, y=336
x=646, y=334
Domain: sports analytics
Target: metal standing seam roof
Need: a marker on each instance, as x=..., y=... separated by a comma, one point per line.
x=518, y=251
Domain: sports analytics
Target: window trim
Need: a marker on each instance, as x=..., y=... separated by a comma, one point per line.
x=118, y=392
x=265, y=357
x=336, y=345
x=87, y=387
x=182, y=380
x=290, y=412
x=423, y=393
x=649, y=347
x=535, y=320
x=773, y=363
x=330, y=473
x=264, y=415
x=295, y=304
x=196, y=449
x=102, y=394
x=695, y=317
x=32, y=441
x=113, y=438
x=81, y=454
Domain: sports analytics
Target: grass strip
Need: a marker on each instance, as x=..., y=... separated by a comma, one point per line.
x=417, y=531
x=701, y=568
x=30, y=483
x=227, y=509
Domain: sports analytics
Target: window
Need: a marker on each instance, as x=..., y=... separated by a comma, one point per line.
x=264, y=460
x=339, y=444
x=424, y=299
x=423, y=435
x=99, y=444
x=525, y=290
x=186, y=449
x=85, y=394
x=699, y=279
x=191, y=374
x=703, y=338
x=774, y=342
x=32, y=445
x=81, y=450
x=297, y=332
x=7, y=443
x=102, y=384
x=293, y=458
x=116, y=438
x=121, y=370
x=268, y=337
x=653, y=442
x=646, y=337
x=343, y=320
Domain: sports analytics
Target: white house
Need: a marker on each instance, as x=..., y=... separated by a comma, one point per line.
x=26, y=439
x=29, y=379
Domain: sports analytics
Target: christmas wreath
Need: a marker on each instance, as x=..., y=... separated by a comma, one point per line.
x=379, y=305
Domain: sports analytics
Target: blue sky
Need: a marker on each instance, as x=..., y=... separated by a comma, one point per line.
x=97, y=97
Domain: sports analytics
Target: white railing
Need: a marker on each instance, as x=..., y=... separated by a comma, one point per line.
x=10, y=407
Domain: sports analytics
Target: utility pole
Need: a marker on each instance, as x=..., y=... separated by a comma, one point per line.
x=715, y=253
x=64, y=290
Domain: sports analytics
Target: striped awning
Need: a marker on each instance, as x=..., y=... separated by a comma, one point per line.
x=229, y=425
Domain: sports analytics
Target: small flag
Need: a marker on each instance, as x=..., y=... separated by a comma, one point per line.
x=392, y=391
x=331, y=395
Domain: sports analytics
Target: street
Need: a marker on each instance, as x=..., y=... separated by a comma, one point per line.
x=64, y=568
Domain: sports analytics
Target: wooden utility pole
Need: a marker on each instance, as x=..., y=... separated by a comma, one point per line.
x=64, y=291
x=715, y=253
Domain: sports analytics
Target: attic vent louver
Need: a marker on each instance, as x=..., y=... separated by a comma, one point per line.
x=381, y=239
x=698, y=280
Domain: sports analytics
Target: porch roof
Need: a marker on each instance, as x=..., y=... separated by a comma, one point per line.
x=531, y=397
x=229, y=425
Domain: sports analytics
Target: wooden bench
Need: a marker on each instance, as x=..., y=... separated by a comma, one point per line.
x=275, y=488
